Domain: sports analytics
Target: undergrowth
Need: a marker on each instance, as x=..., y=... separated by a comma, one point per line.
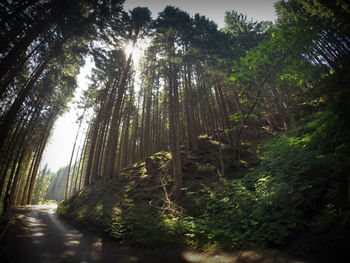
x=299, y=187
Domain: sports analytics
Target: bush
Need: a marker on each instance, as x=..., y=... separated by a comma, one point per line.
x=297, y=188
x=294, y=190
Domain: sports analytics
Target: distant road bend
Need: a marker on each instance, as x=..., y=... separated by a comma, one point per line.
x=37, y=235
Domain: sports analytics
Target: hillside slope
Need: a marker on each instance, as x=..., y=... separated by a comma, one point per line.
x=137, y=205
x=292, y=200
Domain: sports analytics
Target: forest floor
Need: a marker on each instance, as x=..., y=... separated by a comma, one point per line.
x=37, y=234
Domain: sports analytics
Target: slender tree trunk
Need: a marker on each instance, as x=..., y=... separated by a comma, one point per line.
x=26, y=186
x=10, y=76
x=40, y=153
x=146, y=137
x=13, y=111
x=71, y=158
x=92, y=141
x=174, y=121
x=19, y=135
x=142, y=128
x=17, y=172
x=81, y=166
x=23, y=171
x=135, y=134
x=101, y=126
x=113, y=136
x=12, y=181
x=192, y=144
x=75, y=173
x=124, y=150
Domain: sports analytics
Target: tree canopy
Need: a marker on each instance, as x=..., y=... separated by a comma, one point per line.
x=240, y=86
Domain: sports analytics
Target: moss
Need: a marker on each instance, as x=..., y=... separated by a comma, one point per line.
x=133, y=209
x=63, y=208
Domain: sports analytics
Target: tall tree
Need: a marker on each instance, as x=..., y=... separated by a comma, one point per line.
x=136, y=25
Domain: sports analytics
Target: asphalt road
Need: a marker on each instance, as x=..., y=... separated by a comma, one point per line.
x=36, y=234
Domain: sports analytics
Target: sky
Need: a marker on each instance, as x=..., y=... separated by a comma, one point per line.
x=213, y=9
x=58, y=151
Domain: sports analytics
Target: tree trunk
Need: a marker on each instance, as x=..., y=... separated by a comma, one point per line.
x=40, y=153
x=71, y=158
x=10, y=76
x=26, y=186
x=192, y=144
x=124, y=149
x=174, y=123
x=13, y=111
x=113, y=135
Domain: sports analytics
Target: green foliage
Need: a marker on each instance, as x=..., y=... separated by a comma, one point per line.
x=48, y=202
x=42, y=184
x=297, y=188
x=62, y=209
x=294, y=189
x=299, y=185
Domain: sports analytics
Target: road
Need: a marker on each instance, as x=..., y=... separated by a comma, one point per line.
x=37, y=234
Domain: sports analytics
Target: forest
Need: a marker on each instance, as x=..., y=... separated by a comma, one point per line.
x=235, y=137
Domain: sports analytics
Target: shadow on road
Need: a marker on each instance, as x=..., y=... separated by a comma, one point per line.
x=36, y=234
